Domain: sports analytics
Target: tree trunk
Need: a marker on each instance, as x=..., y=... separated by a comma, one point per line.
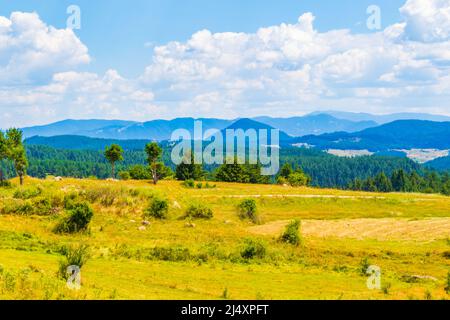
x=155, y=178
x=112, y=170
x=1, y=176
x=21, y=179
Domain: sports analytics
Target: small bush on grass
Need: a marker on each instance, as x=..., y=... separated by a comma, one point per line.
x=76, y=220
x=17, y=207
x=188, y=183
x=198, y=211
x=172, y=254
x=292, y=235
x=364, y=266
x=248, y=210
x=73, y=256
x=158, y=209
x=253, y=249
x=124, y=175
x=5, y=184
x=27, y=193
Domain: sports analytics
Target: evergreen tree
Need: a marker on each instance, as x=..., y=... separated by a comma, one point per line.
x=286, y=170
x=382, y=183
x=113, y=154
x=400, y=181
x=188, y=170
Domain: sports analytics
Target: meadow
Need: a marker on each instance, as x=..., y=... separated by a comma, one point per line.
x=136, y=257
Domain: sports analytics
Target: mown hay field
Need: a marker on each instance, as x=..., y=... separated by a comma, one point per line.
x=342, y=232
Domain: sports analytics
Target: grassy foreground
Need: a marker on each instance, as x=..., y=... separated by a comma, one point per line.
x=406, y=235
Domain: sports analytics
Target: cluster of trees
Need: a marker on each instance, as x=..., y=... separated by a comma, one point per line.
x=13, y=150
x=401, y=181
x=156, y=169
x=295, y=178
x=328, y=171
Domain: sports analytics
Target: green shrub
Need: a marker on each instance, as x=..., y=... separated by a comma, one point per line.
x=188, y=183
x=43, y=206
x=253, y=249
x=124, y=175
x=77, y=219
x=209, y=186
x=70, y=200
x=158, y=209
x=364, y=266
x=282, y=180
x=18, y=207
x=27, y=193
x=247, y=209
x=171, y=254
x=198, y=211
x=5, y=184
x=73, y=256
x=199, y=185
x=292, y=235
x=298, y=179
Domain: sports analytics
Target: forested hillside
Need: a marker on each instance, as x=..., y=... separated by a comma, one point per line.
x=326, y=170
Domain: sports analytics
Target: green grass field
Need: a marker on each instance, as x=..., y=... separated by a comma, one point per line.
x=406, y=235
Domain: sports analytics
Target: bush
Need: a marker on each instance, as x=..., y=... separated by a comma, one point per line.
x=171, y=254
x=124, y=175
x=73, y=257
x=291, y=235
x=27, y=193
x=282, y=180
x=253, y=249
x=19, y=207
x=298, y=179
x=77, y=219
x=188, y=183
x=364, y=266
x=70, y=200
x=248, y=210
x=5, y=184
x=37, y=206
x=158, y=209
x=199, y=211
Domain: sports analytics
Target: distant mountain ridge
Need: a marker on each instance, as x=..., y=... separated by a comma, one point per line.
x=162, y=129
x=382, y=119
x=401, y=134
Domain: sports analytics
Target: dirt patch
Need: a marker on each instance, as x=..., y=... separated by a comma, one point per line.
x=379, y=229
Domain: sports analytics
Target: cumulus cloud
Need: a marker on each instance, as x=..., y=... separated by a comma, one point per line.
x=279, y=70
x=427, y=20
x=31, y=51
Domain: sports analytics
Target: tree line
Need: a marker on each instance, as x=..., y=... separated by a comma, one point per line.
x=300, y=167
x=401, y=181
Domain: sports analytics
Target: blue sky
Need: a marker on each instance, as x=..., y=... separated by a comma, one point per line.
x=136, y=24
x=143, y=60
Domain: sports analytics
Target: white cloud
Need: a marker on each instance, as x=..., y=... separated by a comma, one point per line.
x=427, y=20
x=283, y=70
x=31, y=51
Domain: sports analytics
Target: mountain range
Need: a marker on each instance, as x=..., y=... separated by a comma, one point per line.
x=316, y=123
x=400, y=134
x=162, y=129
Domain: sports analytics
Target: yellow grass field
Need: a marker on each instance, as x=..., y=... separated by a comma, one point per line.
x=406, y=235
